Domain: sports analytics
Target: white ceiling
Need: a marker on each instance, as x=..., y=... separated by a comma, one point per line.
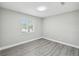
x=53, y=8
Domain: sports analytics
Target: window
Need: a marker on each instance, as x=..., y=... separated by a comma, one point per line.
x=26, y=25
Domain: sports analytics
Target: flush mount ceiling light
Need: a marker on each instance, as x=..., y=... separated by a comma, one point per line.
x=41, y=8
x=62, y=3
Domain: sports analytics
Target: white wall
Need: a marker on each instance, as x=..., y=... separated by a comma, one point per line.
x=63, y=27
x=10, y=28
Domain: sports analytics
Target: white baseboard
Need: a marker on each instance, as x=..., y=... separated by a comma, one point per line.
x=6, y=47
x=75, y=46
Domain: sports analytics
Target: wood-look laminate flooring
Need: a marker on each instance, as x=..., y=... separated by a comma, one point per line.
x=41, y=47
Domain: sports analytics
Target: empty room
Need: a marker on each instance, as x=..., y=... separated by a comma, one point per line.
x=39, y=28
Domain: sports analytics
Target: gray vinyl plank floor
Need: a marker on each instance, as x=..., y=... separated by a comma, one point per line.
x=41, y=47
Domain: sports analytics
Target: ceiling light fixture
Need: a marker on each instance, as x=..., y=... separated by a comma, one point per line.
x=62, y=3
x=41, y=8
